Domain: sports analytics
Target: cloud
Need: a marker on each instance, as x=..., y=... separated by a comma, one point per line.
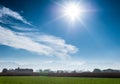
x=6, y=11
x=10, y=38
x=40, y=43
x=58, y=44
x=46, y=45
x=8, y=65
x=60, y=65
x=20, y=28
x=48, y=64
x=76, y=63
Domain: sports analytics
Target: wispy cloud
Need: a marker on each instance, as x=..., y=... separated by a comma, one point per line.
x=48, y=64
x=6, y=11
x=21, y=28
x=42, y=44
x=61, y=48
x=47, y=45
x=10, y=38
x=61, y=65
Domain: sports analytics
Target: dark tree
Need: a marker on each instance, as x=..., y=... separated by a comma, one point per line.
x=4, y=70
x=96, y=70
x=41, y=71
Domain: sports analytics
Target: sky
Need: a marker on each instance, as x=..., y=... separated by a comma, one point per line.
x=36, y=34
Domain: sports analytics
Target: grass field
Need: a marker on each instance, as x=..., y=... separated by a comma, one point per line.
x=56, y=80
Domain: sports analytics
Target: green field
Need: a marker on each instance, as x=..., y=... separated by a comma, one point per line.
x=56, y=80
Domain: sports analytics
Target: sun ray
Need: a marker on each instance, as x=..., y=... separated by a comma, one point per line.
x=70, y=11
x=73, y=11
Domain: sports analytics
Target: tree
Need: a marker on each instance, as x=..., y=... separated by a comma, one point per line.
x=74, y=71
x=41, y=71
x=47, y=71
x=4, y=70
x=96, y=70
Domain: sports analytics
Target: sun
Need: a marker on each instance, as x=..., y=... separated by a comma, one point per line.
x=72, y=11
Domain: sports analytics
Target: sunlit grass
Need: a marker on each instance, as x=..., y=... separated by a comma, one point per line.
x=56, y=80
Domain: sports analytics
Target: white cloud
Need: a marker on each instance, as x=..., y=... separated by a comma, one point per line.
x=10, y=38
x=76, y=63
x=24, y=28
x=8, y=65
x=39, y=43
x=48, y=64
x=57, y=44
x=6, y=11
x=60, y=65
x=45, y=45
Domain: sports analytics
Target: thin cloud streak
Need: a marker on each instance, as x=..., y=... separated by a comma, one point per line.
x=49, y=47
x=27, y=29
x=53, y=65
x=6, y=11
x=42, y=44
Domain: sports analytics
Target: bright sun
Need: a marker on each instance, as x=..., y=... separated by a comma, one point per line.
x=72, y=11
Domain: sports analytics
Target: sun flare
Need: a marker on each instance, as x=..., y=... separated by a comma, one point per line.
x=72, y=11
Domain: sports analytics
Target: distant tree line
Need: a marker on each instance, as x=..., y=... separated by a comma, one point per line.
x=106, y=71
x=110, y=73
x=96, y=70
x=17, y=70
x=75, y=71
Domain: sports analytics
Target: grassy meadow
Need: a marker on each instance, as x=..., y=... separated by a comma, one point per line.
x=56, y=80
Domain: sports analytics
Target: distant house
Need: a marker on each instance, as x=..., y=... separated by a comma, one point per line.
x=17, y=70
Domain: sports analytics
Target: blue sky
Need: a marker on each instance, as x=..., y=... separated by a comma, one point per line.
x=34, y=35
